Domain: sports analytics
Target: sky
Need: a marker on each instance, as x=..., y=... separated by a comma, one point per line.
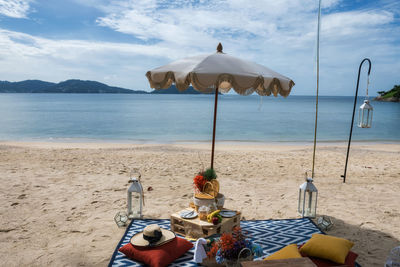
x=116, y=42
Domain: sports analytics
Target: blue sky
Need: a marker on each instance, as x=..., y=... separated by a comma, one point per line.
x=117, y=42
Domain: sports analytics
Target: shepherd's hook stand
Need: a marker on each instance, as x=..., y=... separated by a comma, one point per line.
x=354, y=110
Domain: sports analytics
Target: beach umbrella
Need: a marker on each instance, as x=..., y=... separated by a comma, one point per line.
x=219, y=72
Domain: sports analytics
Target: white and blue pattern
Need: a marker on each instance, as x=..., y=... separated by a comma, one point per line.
x=272, y=235
x=119, y=259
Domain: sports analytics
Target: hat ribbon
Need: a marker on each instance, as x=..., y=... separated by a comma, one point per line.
x=153, y=239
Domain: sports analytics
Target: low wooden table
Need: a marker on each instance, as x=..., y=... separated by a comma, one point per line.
x=196, y=228
x=298, y=262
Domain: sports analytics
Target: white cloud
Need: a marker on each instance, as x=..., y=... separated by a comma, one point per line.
x=278, y=34
x=238, y=22
x=355, y=22
x=15, y=8
x=28, y=57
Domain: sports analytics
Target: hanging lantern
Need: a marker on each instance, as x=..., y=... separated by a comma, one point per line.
x=365, y=112
x=135, y=195
x=365, y=115
x=308, y=194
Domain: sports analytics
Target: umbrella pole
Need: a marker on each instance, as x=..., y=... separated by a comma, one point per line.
x=214, y=126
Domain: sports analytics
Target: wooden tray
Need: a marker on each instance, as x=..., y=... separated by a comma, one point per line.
x=196, y=228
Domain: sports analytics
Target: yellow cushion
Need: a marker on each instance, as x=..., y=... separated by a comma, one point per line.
x=327, y=247
x=287, y=252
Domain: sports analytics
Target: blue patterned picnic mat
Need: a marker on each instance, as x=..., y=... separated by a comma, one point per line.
x=272, y=235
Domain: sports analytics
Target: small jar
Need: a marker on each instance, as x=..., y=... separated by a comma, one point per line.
x=213, y=207
x=203, y=212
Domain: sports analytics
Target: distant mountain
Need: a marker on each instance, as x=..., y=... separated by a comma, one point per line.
x=69, y=86
x=80, y=87
x=174, y=90
x=28, y=86
x=88, y=87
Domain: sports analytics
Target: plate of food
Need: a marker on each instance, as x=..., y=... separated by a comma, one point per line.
x=188, y=214
x=227, y=213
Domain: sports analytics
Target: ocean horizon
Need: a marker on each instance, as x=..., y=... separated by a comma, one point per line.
x=145, y=118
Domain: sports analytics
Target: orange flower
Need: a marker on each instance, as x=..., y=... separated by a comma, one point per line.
x=213, y=251
x=199, y=182
x=227, y=241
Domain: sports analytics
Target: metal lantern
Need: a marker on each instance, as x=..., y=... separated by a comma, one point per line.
x=135, y=195
x=121, y=218
x=324, y=223
x=365, y=115
x=308, y=194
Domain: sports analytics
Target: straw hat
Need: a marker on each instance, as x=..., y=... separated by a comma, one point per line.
x=152, y=236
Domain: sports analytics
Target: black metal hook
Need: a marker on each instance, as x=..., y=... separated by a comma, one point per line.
x=354, y=110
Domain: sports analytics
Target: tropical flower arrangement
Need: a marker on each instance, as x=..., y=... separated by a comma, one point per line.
x=232, y=246
x=202, y=178
x=199, y=181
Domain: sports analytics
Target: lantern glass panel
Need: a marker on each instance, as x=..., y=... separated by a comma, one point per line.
x=136, y=213
x=368, y=120
x=310, y=204
x=301, y=201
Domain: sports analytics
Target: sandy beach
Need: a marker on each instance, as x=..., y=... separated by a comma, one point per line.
x=59, y=199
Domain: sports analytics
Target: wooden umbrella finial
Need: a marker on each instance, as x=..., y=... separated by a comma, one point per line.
x=219, y=48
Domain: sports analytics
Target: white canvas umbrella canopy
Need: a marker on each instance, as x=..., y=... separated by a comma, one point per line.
x=219, y=72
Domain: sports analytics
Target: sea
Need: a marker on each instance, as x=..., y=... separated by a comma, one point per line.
x=155, y=118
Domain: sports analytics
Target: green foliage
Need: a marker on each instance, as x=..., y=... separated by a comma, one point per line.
x=381, y=93
x=394, y=92
x=210, y=174
x=397, y=91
